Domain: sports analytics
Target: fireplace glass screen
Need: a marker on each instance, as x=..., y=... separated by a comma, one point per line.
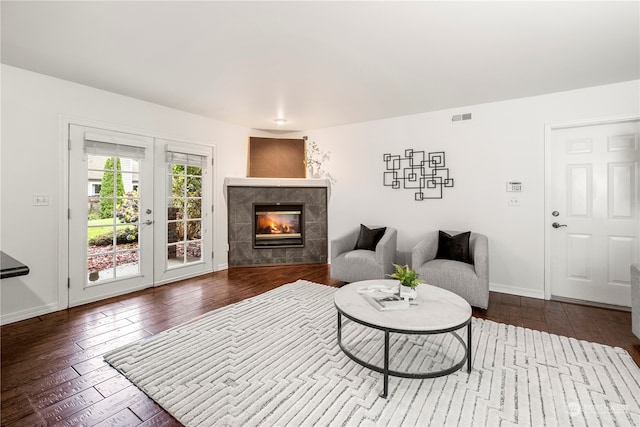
x=278, y=226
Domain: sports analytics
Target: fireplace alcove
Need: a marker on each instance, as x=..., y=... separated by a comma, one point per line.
x=247, y=196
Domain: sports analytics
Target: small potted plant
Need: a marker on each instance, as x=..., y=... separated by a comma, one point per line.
x=408, y=281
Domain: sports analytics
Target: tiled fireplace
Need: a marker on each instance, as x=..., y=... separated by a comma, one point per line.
x=277, y=221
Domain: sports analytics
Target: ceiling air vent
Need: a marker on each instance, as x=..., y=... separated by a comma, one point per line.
x=460, y=117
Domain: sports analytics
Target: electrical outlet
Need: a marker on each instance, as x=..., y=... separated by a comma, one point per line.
x=513, y=201
x=41, y=200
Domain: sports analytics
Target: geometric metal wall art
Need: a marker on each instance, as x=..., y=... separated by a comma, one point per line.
x=415, y=171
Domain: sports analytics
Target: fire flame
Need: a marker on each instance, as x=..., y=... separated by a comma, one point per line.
x=269, y=225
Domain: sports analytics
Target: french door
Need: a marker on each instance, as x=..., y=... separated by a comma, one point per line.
x=138, y=212
x=184, y=223
x=110, y=213
x=593, y=215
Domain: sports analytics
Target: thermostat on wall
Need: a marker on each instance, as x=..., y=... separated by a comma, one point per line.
x=514, y=186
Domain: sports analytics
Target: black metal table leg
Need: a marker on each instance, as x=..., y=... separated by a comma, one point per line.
x=386, y=365
x=469, y=347
x=467, y=357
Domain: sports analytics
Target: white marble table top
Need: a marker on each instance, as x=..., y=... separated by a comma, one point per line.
x=436, y=308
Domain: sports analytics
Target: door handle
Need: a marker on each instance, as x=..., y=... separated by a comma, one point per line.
x=556, y=225
x=149, y=222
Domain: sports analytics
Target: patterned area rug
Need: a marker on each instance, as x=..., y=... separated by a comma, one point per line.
x=273, y=360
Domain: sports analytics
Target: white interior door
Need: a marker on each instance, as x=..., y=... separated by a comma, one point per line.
x=593, y=215
x=110, y=213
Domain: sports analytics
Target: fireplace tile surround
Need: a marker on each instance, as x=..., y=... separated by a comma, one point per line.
x=243, y=193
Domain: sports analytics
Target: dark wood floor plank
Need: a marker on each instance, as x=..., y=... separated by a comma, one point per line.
x=48, y=381
x=112, y=385
x=15, y=406
x=90, y=365
x=20, y=327
x=145, y=408
x=33, y=420
x=66, y=408
x=532, y=313
x=62, y=391
x=108, y=336
x=29, y=369
x=558, y=323
x=53, y=371
x=16, y=401
x=508, y=300
x=535, y=324
x=162, y=419
x=41, y=346
x=103, y=409
x=124, y=418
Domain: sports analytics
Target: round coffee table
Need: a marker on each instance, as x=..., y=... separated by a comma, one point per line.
x=435, y=311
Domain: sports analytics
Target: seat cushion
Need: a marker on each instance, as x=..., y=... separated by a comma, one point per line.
x=360, y=255
x=356, y=265
x=457, y=277
x=447, y=270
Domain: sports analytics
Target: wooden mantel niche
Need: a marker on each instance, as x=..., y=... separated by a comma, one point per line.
x=276, y=158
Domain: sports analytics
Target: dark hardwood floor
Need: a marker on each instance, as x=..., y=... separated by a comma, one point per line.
x=52, y=371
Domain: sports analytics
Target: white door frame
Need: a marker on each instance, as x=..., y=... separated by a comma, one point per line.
x=63, y=190
x=548, y=219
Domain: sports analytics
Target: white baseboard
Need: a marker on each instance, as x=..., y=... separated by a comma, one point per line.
x=514, y=290
x=221, y=267
x=29, y=313
x=53, y=307
x=108, y=295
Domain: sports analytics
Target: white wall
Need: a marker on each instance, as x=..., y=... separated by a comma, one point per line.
x=31, y=163
x=504, y=141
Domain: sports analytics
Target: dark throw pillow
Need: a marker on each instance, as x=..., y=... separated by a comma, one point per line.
x=455, y=248
x=369, y=237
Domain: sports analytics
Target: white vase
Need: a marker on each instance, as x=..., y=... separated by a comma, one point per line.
x=312, y=172
x=407, y=292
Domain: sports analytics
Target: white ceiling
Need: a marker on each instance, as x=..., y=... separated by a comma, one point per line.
x=321, y=64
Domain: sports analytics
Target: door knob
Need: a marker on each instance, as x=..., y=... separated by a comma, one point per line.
x=149, y=222
x=556, y=225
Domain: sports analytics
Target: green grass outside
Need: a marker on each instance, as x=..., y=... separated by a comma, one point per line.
x=94, y=231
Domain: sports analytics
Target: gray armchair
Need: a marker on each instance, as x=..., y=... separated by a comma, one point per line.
x=352, y=265
x=471, y=282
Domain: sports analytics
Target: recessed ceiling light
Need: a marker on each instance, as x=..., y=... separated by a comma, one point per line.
x=280, y=121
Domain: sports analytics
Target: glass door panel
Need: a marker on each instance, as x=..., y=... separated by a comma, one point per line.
x=184, y=213
x=110, y=238
x=112, y=220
